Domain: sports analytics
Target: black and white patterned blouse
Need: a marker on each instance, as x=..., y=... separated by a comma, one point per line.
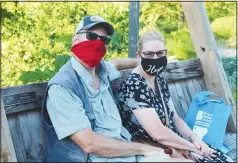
x=134, y=93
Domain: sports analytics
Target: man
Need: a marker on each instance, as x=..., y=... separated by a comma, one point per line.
x=81, y=119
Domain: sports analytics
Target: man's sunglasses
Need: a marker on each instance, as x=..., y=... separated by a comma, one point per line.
x=150, y=54
x=94, y=36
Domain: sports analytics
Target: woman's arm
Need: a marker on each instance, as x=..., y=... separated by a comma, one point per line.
x=181, y=126
x=185, y=131
x=125, y=63
x=150, y=121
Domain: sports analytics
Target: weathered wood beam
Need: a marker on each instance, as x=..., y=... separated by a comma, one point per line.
x=23, y=98
x=206, y=49
x=134, y=14
x=7, y=149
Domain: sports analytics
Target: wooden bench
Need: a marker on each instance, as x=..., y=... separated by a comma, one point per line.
x=184, y=78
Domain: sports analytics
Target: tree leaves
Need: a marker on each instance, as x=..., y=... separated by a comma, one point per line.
x=45, y=75
x=37, y=36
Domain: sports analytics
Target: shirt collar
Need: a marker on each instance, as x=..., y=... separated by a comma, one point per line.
x=85, y=75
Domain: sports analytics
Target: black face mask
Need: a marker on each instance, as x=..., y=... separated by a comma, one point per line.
x=154, y=66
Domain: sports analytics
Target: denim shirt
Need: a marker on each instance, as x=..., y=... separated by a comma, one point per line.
x=68, y=116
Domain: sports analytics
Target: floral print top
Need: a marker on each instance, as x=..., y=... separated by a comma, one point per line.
x=135, y=93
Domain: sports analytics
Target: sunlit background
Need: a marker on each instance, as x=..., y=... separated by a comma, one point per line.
x=36, y=36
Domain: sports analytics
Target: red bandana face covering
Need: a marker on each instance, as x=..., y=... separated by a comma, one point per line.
x=90, y=52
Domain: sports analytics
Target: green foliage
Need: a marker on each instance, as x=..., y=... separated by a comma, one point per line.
x=229, y=64
x=225, y=28
x=180, y=44
x=220, y=9
x=164, y=16
x=38, y=75
x=34, y=33
x=234, y=95
x=37, y=36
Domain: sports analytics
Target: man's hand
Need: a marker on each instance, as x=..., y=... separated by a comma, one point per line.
x=98, y=144
x=153, y=151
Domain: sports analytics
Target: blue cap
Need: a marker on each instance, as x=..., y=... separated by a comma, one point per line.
x=90, y=21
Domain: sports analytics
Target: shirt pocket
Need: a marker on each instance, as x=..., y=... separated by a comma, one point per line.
x=110, y=107
x=114, y=112
x=106, y=118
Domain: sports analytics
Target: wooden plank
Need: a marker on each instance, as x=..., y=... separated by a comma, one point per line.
x=188, y=87
x=183, y=93
x=230, y=138
x=230, y=141
x=189, y=92
x=38, y=89
x=32, y=135
x=197, y=84
x=183, y=70
x=233, y=155
x=206, y=49
x=181, y=99
x=133, y=35
x=14, y=127
x=187, y=97
x=202, y=83
x=191, y=89
x=175, y=99
x=7, y=149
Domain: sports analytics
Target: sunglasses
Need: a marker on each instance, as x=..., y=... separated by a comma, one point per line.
x=150, y=54
x=95, y=36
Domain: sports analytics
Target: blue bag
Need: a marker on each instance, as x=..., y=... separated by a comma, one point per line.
x=208, y=119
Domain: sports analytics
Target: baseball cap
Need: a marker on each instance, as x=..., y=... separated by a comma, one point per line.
x=90, y=21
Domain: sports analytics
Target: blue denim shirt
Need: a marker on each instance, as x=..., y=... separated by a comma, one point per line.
x=68, y=115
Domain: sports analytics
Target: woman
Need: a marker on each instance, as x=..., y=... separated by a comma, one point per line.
x=142, y=108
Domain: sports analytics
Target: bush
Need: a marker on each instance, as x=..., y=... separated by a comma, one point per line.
x=180, y=44
x=225, y=29
x=220, y=9
x=28, y=77
x=229, y=64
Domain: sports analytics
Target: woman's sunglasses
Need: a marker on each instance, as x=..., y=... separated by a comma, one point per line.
x=150, y=54
x=94, y=36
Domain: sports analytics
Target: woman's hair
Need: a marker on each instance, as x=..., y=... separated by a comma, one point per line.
x=149, y=36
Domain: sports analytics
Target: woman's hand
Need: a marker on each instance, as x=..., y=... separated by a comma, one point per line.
x=204, y=149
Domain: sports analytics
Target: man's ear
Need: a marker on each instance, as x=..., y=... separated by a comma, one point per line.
x=74, y=39
x=137, y=55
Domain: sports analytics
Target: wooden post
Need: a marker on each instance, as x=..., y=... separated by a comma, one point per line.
x=7, y=149
x=206, y=49
x=134, y=13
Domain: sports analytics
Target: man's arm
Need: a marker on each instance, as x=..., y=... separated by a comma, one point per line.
x=92, y=142
x=68, y=117
x=125, y=63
